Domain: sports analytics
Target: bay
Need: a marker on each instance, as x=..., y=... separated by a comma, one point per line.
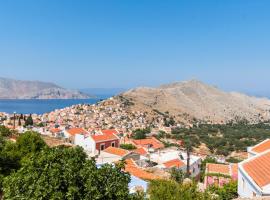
x=41, y=106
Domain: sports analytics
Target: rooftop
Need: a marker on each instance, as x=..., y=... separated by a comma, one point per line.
x=218, y=168
x=132, y=168
x=153, y=142
x=258, y=168
x=174, y=163
x=74, y=131
x=261, y=147
x=104, y=137
x=116, y=151
x=140, y=151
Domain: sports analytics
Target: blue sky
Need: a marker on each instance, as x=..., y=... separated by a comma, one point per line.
x=87, y=43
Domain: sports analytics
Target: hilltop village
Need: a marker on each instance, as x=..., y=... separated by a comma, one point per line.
x=109, y=132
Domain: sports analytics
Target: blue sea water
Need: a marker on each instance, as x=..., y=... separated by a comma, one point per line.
x=42, y=106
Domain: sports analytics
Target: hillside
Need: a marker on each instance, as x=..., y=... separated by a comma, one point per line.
x=192, y=101
x=17, y=89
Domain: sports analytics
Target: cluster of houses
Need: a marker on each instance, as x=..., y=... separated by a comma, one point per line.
x=147, y=161
x=252, y=174
x=151, y=160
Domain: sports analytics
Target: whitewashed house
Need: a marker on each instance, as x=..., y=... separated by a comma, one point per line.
x=92, y=143
x=254, y=173
x=169, y=158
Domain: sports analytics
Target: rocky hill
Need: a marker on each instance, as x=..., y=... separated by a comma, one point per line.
x=17, y=89
x=193, y=101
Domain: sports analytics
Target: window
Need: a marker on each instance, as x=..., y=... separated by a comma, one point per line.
x=113, y=144
x=102, y=147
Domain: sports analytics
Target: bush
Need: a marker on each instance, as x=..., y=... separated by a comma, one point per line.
x=4, y=131
x=139, y=134
x=171, y=190
x=227, y=192
x=127, y=146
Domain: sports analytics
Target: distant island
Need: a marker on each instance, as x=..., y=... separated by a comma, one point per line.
x=18, y=89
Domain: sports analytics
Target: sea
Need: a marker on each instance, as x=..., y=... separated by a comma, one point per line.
x=38, y=106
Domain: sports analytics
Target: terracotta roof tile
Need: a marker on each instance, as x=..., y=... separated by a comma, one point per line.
x=116, y=151
x=149, y=141
x=259, y=169
x=218, y=168
x=174, y=163
x=55, y=130
x=262, y=147
x=74, y=131
x=140, y=151
x=134, y=170
x=104, y=137
x=110, y=131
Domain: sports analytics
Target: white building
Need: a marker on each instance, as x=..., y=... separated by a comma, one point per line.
x=254, y=173
x=91, y=143
x=169, y=158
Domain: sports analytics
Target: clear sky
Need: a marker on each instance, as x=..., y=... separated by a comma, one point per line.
x=128, y=43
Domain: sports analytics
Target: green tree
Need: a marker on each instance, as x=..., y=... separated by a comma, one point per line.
x=65, y=173
x=4, y=131
x=171, y=190
x=9, y=161
x=30, y=142
x=29, y=121
x=177, y=175
x=139, y=134
x=128, y=146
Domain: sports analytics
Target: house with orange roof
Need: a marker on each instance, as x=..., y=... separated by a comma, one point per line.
x=56, y=132
x=103, y=141
x=175, y=163
x=173, y=157
x=151, y=144
x=93, y=142
x=111, y=132
x=132, y=168
x=254, y=174
x=220, y=174
x=259, y=148
x=141, y=151
x=69, y=134
x=113, y=154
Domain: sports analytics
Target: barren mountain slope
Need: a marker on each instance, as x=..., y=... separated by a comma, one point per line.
x=194, y=99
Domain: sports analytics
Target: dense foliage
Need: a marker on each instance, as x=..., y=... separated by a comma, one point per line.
x=177, y=175
x=127, y=146
x=65, y=173
x=29, y=121
x=227, y=192
x=171, y=190
x=224, y=139
x=5, y=132
x=29, y=169
x=140, y=133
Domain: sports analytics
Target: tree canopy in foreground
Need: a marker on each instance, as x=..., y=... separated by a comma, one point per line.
x=65, y=173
